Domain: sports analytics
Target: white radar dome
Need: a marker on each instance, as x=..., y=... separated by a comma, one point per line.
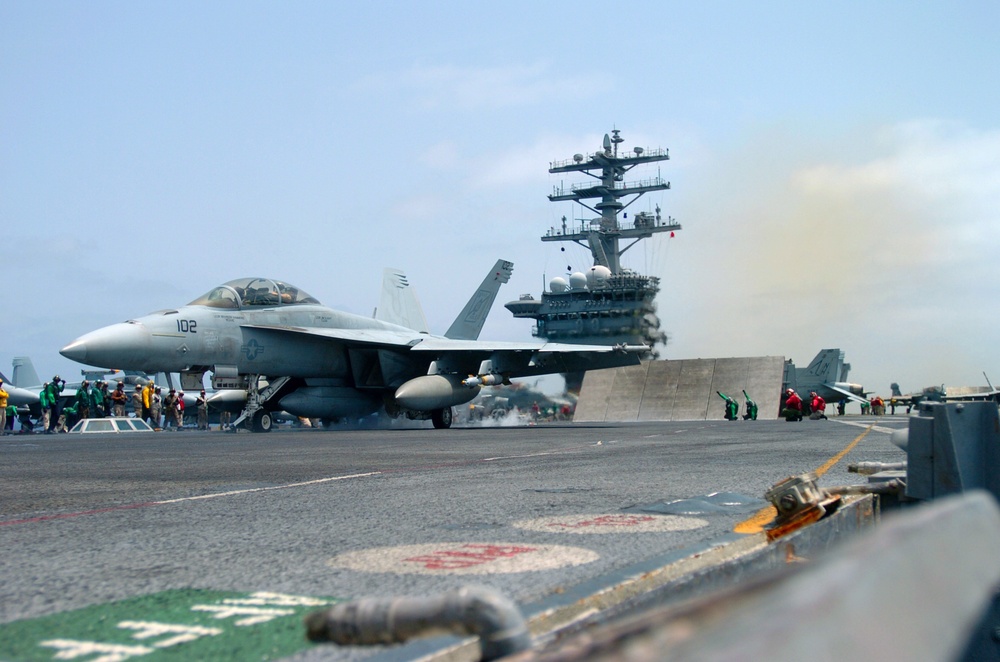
x=558, y=284
x=578, y=281
x=598, y=276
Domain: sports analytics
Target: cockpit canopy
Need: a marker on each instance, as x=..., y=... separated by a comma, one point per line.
x=253, y=293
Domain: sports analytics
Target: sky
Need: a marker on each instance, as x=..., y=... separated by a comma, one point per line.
x=835, y=166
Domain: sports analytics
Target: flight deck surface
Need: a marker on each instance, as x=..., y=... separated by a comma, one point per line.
x=223, y=535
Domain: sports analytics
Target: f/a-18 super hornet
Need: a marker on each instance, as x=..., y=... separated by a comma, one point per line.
x=323, y=363
x=826, y=375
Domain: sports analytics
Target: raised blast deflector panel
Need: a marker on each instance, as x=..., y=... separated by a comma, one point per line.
x=694, y=386
x=593, y=402
x=660, y=391
x=680, y=390
x=626, y=396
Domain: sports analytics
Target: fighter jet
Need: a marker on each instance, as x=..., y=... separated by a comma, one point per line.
x=323, y=363
x=827, y=375
x=942, y=394
x=19, y=397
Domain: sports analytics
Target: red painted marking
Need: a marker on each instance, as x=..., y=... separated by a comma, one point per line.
x=607, y=520
x=45, y=518
x=479, y=554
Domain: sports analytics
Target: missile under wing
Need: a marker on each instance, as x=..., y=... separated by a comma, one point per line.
x=323, y=363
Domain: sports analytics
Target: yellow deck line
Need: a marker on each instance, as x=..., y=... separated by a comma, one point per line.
x=764, y=516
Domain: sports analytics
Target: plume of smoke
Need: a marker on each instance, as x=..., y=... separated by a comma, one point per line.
x=877, y=244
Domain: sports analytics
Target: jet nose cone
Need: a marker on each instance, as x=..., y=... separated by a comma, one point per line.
x=124, y=346
x=76, y=351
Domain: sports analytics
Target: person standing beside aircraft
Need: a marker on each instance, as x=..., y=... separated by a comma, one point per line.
x=155, y=407
x=107, y=398
x=118, y=400
x=83, y=399
x=43, y=402
x=3, y=409
x=137, y=402
x=202, y=405
x=56, y=387
x=147, y=402
x=97, y=401
x=170, y=408
x=180, y=410
x=11, y=411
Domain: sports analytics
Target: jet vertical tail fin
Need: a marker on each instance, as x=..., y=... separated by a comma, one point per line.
x=398, y=303
x=24, y=372
x=470, y=321
x=827, y=367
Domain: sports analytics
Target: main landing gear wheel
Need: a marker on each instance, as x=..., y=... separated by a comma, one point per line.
x=441, y=418
x=262, y=421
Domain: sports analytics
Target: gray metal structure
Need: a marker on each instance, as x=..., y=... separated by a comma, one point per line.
x=678, y=390
x=605, y=304
x=323, y=363
x=827, y=375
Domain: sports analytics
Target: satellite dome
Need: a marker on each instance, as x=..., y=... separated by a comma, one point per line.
x=598, y=276
x=578, y=281
x=558, y=284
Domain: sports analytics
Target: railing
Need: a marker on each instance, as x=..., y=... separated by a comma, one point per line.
x=649, y=153
x=652, y=182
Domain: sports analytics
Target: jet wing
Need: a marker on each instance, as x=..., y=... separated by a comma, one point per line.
x=370, y=337
x=847, y=394
x=514, y=359
x=525, y=359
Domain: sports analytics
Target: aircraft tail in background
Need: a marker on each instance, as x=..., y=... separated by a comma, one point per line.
x=828, y=366
x=827, y=375
x=398, y=303
x=469, y=322
x=24, y=372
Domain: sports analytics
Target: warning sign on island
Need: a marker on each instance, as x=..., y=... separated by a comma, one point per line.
x=464, y=558
x=612, y=523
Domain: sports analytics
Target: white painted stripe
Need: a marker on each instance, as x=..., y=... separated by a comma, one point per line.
x=318, y=481
x=517, y=457
x=876, y=428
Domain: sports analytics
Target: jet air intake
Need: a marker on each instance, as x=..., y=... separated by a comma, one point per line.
x=431, y=392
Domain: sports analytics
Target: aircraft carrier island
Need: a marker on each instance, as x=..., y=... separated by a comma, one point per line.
x=607, y=303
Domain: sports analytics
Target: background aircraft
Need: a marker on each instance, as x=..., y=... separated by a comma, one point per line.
x=827, y=375
x=324, y=363
x=942, y=394
x=19, y=397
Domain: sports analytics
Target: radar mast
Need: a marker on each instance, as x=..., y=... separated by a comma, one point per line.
x=613, y=195
x=607, y=305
